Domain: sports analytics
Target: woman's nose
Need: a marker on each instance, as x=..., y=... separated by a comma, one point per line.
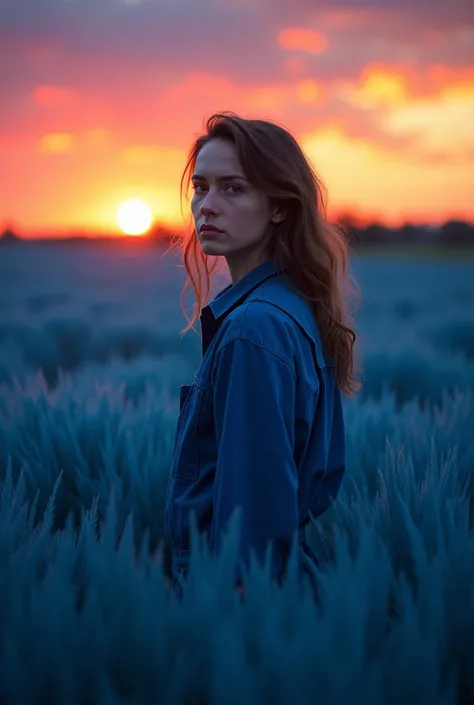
x=208, y=205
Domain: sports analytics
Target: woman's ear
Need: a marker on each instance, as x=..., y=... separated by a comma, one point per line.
x=278, y=216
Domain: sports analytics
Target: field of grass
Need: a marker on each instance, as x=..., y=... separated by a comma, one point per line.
x=421, y=251
x=91, y=361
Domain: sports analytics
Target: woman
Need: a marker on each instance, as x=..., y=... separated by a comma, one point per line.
x=261, y=428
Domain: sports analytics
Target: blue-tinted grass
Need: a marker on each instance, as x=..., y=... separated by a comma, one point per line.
x=90, y=364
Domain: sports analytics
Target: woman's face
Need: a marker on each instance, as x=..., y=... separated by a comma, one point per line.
x=223, y=198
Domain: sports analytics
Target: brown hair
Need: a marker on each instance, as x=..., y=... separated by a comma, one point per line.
x=314, y=251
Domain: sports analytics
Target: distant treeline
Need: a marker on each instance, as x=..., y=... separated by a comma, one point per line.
x=451, y=233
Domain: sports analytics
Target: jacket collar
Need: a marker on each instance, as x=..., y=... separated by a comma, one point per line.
x=229, y=297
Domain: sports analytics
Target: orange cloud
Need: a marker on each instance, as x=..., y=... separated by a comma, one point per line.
x=57, y=143
x=52, y=96
x=443, y=125
x=388, y=86
x=450, y=84
x=384, y=87
x=297, y=39
x=308, y=91
x=64, y=142
x=378, y=85
x=463, y=90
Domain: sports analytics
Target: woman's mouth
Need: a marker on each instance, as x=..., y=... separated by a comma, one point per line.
x=209, y=230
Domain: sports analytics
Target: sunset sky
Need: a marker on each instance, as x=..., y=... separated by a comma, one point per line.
x=101, y=99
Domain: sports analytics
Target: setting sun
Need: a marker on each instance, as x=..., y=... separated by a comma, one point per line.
x=134, y=217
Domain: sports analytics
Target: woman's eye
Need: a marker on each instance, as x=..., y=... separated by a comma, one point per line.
x=199, y=188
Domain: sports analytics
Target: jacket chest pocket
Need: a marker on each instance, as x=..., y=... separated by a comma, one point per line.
x=185, y=463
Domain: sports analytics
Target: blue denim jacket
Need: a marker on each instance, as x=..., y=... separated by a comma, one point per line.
x=261, y=426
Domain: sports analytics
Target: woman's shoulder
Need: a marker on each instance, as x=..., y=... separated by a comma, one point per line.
x=276, y=316
x=256, y=315
x=262, y=323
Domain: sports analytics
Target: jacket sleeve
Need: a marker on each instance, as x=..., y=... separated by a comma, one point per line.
x=254, y=405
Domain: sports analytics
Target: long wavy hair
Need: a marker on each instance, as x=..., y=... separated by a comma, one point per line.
x=314, y=252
